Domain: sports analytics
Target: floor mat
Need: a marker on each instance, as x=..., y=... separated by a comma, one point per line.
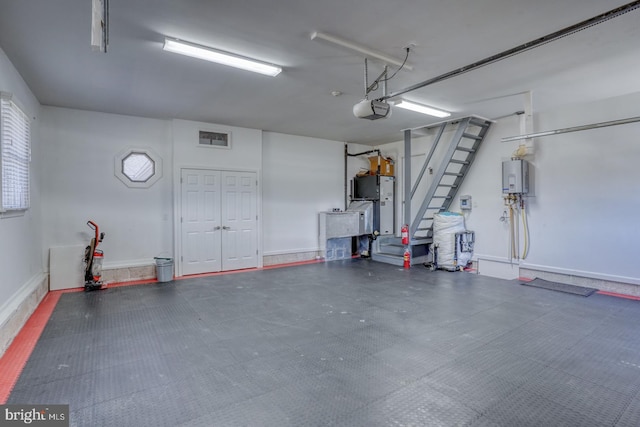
x=560, y=287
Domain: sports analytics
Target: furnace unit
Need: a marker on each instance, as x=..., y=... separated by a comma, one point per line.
x=380, y=190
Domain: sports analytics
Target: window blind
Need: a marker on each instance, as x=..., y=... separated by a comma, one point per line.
x=15, y=153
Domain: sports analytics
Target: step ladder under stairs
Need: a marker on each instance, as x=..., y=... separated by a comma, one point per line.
x=465, y=137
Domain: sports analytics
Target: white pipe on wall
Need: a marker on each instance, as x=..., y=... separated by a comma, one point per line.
x=572, y=129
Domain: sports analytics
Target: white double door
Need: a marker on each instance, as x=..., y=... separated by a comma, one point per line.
x=218, y=220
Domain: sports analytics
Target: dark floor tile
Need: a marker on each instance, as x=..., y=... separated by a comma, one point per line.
x=415, y=405
x=502, y=364
x=591, y=400
x=166, y=405
x=317, y=400
x=631, y=416
x=475, y=389
x=606, y=362
x=349, y=343
x=524, y=408
x=537, y=341
x=414, y=360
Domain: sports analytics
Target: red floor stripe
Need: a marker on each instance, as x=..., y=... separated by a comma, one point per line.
x=16, y=356
x=614, y=294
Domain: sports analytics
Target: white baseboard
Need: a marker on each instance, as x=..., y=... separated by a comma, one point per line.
x=493, y=258
x=580, y=273
x=128, y=272
x=290, y=257
x=115, y=265
x=504, y=268
x=291, y=251
x=15, y=312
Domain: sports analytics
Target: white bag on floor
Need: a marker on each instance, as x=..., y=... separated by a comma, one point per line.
x=445, y=227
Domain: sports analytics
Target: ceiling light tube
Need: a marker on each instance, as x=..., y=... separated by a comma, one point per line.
x=370, y=53
x=421, y=109
x=220, y=57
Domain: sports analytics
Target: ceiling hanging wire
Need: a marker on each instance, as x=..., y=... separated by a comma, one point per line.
x=614, y=13
x=383, y=77
x=401, y=65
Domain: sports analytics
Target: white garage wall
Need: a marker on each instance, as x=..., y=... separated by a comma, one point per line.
x=583, y=216
x=302, y=177
x=584, y=220
x=19, y=246
x=80, y=147
x=245, y=152
x=80, y=185
x=21, y=264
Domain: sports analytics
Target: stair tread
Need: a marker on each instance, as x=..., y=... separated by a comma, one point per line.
x=471, y=136
x=465, y=149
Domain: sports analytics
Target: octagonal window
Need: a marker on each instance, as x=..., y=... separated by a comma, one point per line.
x=138, y=168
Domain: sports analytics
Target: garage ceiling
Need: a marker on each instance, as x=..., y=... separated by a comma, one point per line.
x=49, y=43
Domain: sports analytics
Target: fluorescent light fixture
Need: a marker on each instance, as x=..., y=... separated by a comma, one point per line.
x=220, y=57
x=369, y=53
x=421, y=109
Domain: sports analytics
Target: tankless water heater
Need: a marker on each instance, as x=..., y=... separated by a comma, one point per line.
x=515, y=177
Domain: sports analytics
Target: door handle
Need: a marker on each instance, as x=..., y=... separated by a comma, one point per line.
x=224, y=227
x=216, y=228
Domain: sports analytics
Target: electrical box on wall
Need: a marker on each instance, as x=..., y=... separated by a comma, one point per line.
x=465, y=203
x=515, y=177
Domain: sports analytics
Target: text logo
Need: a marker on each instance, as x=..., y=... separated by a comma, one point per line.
x=34, y=415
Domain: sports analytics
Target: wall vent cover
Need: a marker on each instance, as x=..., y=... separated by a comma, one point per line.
x=215, y=139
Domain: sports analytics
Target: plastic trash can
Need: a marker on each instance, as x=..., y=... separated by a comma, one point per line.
x=164, y=269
